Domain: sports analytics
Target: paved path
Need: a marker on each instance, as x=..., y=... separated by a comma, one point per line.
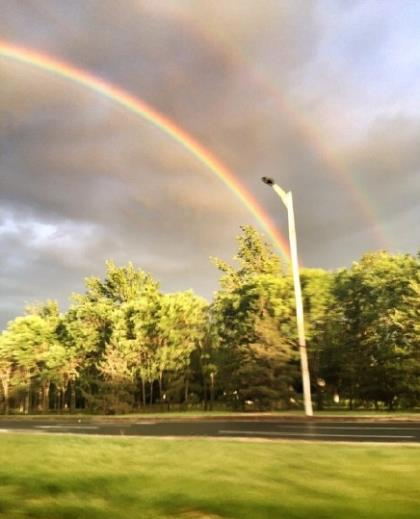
x=355, y=431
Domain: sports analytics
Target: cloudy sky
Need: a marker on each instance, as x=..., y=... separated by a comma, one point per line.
x=322, y=95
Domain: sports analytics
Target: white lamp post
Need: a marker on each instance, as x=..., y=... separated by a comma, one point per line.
x=287, y=199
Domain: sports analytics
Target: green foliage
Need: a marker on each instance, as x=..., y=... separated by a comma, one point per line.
x=36, y=356
x=123, y=344
x=181, y=329
x=254, y=317
x=319, y=306
x=376, y=328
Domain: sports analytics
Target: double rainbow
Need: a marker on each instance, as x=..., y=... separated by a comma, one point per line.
x=221, y=43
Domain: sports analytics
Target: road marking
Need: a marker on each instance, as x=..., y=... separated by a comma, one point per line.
x=351, y=428
x=350, y=422
x=66, y=427
x=145, y=423
x=272, y=433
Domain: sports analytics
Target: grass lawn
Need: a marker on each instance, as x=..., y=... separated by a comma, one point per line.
x=197, y=414
x=55, y=477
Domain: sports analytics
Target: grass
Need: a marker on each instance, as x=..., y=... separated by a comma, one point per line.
x=69, y=477
x=193, y=414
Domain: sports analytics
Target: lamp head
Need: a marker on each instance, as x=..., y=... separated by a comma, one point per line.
x=267, y=180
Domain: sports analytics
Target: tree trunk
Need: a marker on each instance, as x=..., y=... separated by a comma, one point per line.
x=211, y=391
x=72, y=396
x=161, y=386
x=6, y=398
x=390, y=403
x=40, y=400
x=5, y=386
x=57, y=400
x=27, y=403
x=61, y=399
x=143, y=392
x=46, y=397
x=151, y=393
x=319, y=398
x=205, y=399
x=187, y=384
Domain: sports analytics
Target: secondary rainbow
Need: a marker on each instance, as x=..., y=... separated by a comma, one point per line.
x=139, y=107
x=333, y=166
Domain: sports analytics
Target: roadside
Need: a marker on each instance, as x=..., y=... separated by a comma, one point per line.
x=362, y=416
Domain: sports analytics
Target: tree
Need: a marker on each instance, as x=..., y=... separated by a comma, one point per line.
x=376, y=358
x=28, y=339
x=87, y=329
x=319, y=307
x=254, y=316
x=59, y=365
x=405, y=325
x=181, y=330
x=143, y=319
x=6, y=369
x=123, y=343
x=102, y=322
x=118, y=366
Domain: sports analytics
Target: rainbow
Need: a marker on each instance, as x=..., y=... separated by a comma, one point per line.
x=135, y=105
x=333, y=166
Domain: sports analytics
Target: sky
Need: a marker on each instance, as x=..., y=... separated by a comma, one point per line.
x=322, y=95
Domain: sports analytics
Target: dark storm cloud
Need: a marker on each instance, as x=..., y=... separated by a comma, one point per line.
x=83, y=180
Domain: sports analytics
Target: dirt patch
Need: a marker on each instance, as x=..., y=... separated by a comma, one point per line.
x=197, y=514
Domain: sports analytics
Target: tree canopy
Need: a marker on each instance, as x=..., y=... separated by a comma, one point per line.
x=123, y=344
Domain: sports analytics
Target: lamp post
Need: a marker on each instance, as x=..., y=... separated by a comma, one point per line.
x=287, y=199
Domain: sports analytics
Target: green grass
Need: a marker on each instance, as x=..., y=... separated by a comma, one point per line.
x=69, y=477
x=192, y=414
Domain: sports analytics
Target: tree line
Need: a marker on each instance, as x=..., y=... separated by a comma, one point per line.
x=123, y=345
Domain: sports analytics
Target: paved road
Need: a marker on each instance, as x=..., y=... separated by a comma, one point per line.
x=396, y=432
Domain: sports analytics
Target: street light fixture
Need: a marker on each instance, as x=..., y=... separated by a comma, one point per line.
x=287, y=199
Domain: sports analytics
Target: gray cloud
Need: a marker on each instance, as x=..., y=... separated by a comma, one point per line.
x=264, y=85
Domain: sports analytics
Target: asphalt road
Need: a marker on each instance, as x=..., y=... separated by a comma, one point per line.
x=354, y=431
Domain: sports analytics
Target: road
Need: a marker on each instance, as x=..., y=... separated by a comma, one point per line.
x=354, y=431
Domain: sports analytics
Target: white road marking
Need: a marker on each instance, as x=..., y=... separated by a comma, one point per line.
x=272, y=433
x=352, y=428
x=66, y=427
x=145, y=423
x=353, y=422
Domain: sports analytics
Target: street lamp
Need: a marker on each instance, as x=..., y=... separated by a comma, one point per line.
x=287, y=199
